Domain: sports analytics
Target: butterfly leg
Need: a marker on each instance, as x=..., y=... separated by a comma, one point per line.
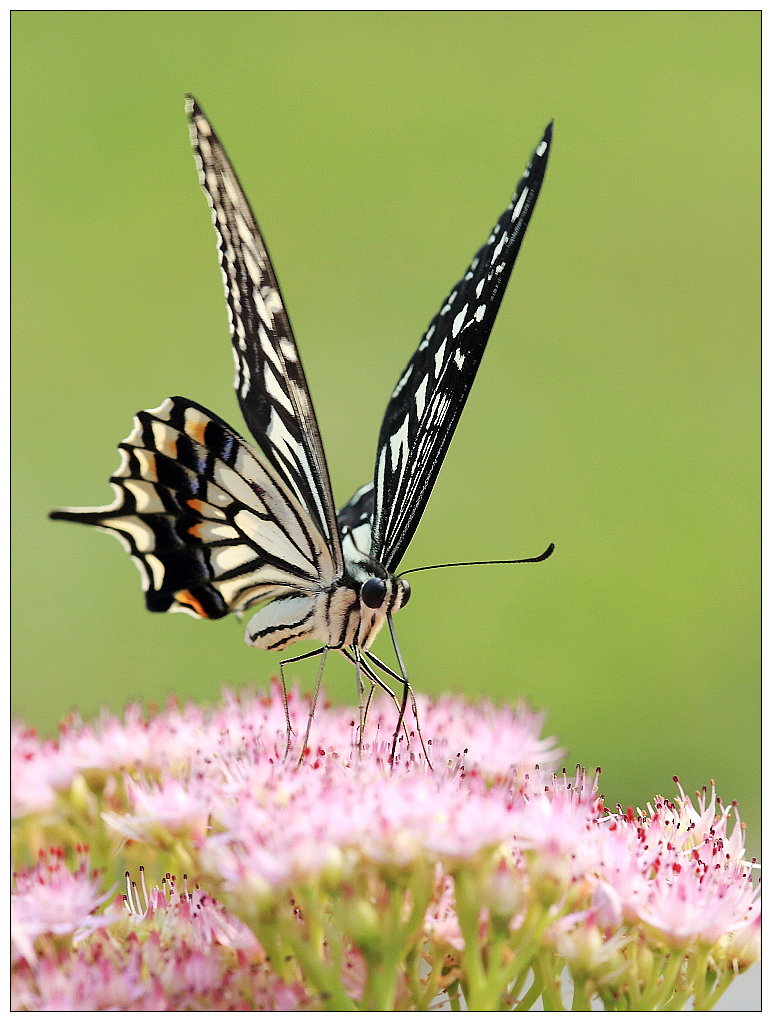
x=400, y=711
x=360, y=695
x=372, y=677
x=321, y=651
x=401, y=708
x=369, y=700
x=406, y=690
x=370, y=674
x=324, y=653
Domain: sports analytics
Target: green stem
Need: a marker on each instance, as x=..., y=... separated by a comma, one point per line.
x=454, y=996
x=582, y=999
x=307, y=943
x=472, y=961
x=398, y=939
x=551, y=995
x=532, y=994
x=659, y=992
x=710, y=1000
x=418, y=990
x=323, y=979
x=268, y=936
x=516, y=985
x=530, y=933
x=424, y=996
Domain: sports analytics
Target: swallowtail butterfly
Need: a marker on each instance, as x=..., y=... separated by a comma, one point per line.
x=217, y=526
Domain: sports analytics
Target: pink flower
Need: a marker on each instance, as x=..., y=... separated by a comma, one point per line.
x=557, y=827
x=686, y=907
x=51, y=899
x=161, y=808
x=192, y=917
x=743, y=946
x=38, y=771
x=181, y=950
x=93, y=977
x=441, y=922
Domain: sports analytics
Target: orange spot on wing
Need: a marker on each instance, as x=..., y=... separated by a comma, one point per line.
x=187, y=598
x=196, y=427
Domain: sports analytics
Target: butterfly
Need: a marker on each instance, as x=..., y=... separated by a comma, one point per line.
x=218, y=526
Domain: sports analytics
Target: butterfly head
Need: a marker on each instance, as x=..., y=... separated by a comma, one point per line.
x=376, y=592
x=379, y=595
x=379, y=591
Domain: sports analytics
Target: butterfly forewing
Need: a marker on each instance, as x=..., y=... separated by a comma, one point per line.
x=212, y=526
x=427, y=402
x=270, y=382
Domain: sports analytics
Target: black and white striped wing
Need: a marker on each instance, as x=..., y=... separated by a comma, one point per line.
x=211, y=524
x=270, y=382
x=428, y=399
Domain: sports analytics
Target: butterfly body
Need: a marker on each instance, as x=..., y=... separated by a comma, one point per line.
x=217, y=525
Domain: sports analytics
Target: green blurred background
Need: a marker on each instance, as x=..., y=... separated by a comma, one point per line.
x=616, y=412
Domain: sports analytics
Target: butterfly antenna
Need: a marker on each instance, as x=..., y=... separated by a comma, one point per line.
x=466, y=564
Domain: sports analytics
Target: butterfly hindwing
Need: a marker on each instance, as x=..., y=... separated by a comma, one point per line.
x=355, y=523
x=270, y=382
x=429, y=397
x=209, y=522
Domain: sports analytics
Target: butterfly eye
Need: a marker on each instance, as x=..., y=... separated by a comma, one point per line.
x=405, y=587
x=373, y=593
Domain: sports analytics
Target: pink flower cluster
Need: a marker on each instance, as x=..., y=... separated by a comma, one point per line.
x=485, y=840
x=166, y=949
x=676, y=872
x=493, y=739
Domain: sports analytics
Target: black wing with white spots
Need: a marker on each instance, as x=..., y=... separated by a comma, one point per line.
x=270, y=382
x=428, y=400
